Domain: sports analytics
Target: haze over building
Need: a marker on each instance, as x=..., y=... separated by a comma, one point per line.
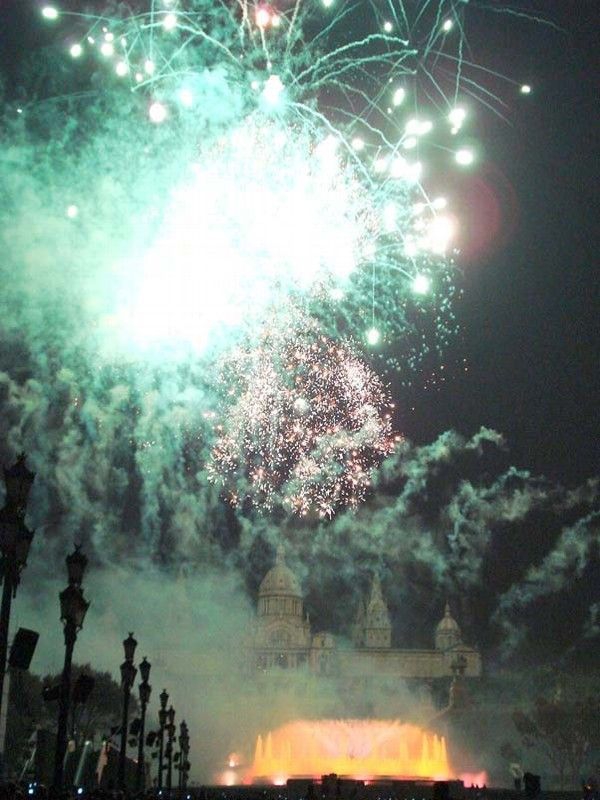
x=283, y=638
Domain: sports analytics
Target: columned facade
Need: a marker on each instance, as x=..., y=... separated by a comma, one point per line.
x=282, y=638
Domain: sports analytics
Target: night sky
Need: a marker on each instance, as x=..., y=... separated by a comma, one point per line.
x=532, y=302
x=528, y=337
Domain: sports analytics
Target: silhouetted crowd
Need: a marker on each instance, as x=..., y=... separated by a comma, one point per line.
x=15, y=791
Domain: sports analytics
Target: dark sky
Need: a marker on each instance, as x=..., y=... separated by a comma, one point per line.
x=532, y=303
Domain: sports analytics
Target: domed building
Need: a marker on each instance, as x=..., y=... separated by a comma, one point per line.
x=283, y=636
x=283, y=639
x=447, y=632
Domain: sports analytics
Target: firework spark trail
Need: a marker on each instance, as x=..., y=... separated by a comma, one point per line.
x=305, y=422
x=299, y=72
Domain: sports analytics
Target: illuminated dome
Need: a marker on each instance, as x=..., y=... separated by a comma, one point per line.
x=280, y=580
x=447, y=632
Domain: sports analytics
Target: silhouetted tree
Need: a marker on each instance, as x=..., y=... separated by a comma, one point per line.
x=27, y=710
x=565, y=731
x=102, y=709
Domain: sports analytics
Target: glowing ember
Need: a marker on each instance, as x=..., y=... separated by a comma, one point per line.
x=360, y=749
x=305, y=421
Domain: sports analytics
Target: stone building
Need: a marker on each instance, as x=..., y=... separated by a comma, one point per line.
x=282, y=638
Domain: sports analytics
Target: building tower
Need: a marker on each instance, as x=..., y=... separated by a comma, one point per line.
x=282, y=634
x=378, y=627
x=447, y=632
x=358, y=628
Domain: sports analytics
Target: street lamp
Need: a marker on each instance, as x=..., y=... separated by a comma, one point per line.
x=162, y=721
x=15, y=541
x=170, y=740
x=184, y=749
x=73, y=608
x=145, y=690
x=128, y=673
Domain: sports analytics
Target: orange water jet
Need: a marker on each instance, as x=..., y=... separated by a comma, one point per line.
x=355, y=748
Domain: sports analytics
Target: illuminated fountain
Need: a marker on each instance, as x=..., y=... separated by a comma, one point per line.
x=360, y=749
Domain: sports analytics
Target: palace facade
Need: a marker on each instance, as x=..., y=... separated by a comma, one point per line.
x=282, y=638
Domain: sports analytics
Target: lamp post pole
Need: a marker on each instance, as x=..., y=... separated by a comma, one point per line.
x=184, y=749
x=145, y=690
x=73, y=608
x=15, y=541
x=128, y=673
x=170, y=741
x=162, y=721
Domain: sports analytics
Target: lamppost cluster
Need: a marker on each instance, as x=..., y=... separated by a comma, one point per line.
x=166, y=720
x=184, y=751
x=15, y=542
x=166, y=752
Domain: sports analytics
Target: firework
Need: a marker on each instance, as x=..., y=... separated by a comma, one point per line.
x=198, y=163
x=310, y=166
x=305, y=423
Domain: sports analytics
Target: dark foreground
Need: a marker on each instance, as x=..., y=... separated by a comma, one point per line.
x=332, y=789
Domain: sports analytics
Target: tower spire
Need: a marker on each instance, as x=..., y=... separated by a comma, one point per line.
x=280, y=554
x=378, y=626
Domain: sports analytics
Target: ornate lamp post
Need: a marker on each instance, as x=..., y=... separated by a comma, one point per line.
x=15, y=541
x=128, y=673
x=162, y=721
x=144, y=689
x=73, y=608
x=170, y=740
x=184, y=749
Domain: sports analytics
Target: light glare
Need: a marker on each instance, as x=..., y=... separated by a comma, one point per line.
x=456, y=117
x=439, y=234
x=421, y=284
x=262, y=17
x=157, y=113
x=273, y=90
x=399, y=96
x=296, y=222
x=186, y=98
x=373, y=336
x=170, y=22
x=464, y=157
